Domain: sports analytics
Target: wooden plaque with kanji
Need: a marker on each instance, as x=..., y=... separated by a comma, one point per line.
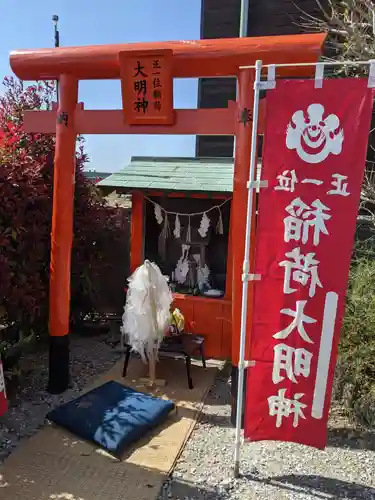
x=147, y=87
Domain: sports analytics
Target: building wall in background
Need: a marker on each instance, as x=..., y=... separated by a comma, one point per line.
x=221, y=19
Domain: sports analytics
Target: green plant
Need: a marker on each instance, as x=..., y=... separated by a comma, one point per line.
x=355, y=376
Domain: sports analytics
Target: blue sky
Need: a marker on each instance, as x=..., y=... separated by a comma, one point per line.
x=27, y=24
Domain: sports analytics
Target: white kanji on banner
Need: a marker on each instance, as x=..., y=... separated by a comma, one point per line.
x=298, y=323
x=313, y=136
x=302, y=269
x=341, y=187
x=282, y=407
x=293, y=362
x=303, y=217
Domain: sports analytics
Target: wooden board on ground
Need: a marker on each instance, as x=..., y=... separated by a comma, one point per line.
x=54, y=464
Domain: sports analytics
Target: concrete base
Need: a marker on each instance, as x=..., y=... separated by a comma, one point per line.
x=234, y=392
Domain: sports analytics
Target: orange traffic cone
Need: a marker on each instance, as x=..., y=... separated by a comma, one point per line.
x=3, y=395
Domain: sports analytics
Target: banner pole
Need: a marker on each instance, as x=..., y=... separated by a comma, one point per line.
x=246, y=276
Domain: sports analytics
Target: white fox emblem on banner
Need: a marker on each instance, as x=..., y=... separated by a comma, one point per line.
x=313, y=136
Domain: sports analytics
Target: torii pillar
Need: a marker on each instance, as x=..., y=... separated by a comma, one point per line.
x=62, y=234
x=190, y=59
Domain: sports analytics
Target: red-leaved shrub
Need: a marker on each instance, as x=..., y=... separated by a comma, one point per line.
x=26, y=181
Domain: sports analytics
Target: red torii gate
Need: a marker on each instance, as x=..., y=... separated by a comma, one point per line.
x=190, y=59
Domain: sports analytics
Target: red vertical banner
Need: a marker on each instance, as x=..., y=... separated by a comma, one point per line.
x=314, y=158
x=3, y=395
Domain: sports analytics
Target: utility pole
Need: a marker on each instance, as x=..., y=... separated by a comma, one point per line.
x=238, y=372
x=55, y=20
x=244, y=17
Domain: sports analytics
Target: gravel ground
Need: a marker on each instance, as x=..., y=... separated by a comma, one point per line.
x=204, y=471
x=90, y=357
x=270, y=470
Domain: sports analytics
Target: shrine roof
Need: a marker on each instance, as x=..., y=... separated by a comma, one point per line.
x=214, y=175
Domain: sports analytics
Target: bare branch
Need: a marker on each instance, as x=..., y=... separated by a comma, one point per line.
x=349, y=24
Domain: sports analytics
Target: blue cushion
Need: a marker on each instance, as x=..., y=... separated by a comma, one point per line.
x=112, y=415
